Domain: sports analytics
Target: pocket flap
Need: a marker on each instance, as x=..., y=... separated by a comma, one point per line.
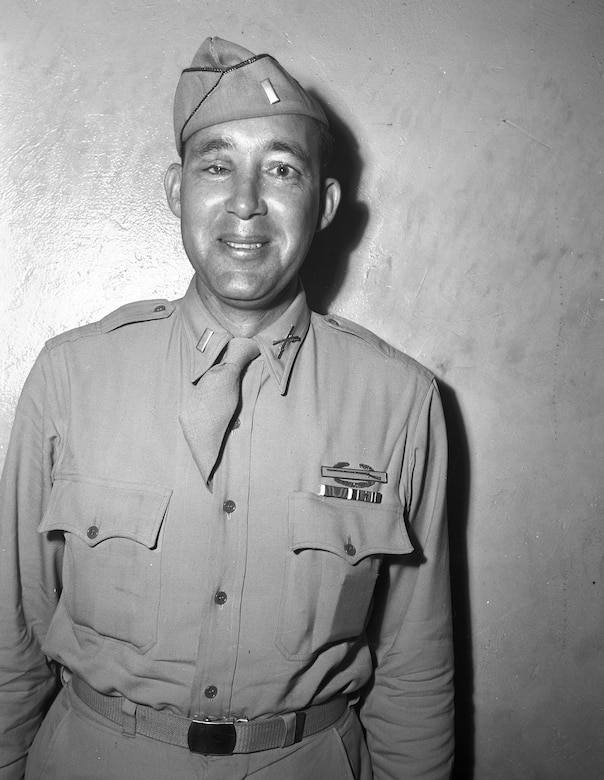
x=96, y=509
x=351, y=531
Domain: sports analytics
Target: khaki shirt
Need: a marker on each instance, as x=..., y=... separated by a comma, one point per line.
x=255, y=595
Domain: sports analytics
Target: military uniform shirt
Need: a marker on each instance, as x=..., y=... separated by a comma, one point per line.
x=317, y=553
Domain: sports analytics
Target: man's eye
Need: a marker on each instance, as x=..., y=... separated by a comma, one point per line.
x=215, y=169
x=284, y=171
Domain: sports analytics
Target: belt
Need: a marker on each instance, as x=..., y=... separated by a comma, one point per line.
x=213, y=737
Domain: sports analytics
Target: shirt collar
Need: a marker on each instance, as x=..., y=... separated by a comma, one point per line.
x=279, y=343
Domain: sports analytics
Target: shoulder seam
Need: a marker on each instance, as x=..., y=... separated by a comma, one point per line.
x=129, y=313
x=344, y=325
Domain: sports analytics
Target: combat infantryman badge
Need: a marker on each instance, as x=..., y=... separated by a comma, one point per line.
x=352, y=481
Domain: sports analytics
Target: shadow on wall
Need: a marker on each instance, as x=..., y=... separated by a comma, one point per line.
x=325, y=267
x=323, y=274
x=458, y=491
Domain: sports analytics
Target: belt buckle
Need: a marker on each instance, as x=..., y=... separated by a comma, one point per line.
x=212, y=737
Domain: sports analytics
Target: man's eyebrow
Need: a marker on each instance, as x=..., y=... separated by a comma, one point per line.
x=217, y=144
x=292, y=148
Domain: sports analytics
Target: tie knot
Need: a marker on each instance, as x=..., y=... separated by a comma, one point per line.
x=241, y=351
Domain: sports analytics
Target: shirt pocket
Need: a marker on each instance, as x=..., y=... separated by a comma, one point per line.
x=111, y=568
x=334, y=554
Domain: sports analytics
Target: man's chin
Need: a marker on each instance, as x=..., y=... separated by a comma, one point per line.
x=251, y=301
x=247, y=294
x=259, y=298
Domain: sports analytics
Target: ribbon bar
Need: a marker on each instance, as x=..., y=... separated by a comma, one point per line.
x=350, y=494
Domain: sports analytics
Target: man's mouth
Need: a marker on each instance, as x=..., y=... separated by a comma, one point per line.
x=243, y=245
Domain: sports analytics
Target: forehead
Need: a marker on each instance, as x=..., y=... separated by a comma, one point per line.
x=286, y=132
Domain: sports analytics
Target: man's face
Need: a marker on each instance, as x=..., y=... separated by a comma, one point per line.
x=250, y=197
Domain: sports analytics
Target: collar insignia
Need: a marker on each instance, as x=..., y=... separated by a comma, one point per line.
x=289, y=339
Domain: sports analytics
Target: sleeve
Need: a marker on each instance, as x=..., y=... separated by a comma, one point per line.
x=29, y=573
x=407, y=711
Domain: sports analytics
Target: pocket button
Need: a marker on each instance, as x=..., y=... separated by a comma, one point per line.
x=92, y=532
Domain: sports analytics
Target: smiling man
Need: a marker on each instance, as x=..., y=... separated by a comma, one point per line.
x=224, y=547
x=250, y=195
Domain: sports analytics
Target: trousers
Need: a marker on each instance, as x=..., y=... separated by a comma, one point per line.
x=75, y=743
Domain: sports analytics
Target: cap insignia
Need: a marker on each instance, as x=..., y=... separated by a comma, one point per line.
x=272, y=96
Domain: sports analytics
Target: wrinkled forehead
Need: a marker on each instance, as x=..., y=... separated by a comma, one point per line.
x=290, y=134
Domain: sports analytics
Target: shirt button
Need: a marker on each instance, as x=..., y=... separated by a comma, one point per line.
x=235, y=424
x=350, y=549
x=159, y=308
x=211, y=692
x=229, y=507
x=220, y=597
x=92, y=532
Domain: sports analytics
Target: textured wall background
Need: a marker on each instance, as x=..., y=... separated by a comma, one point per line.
x=474, y=133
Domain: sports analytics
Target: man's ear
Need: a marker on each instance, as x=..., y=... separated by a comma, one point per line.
x=172, y=182
x=330, y=200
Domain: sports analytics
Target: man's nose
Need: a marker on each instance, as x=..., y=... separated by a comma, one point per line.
x=245, y=199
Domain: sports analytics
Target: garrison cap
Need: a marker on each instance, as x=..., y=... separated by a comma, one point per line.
x=227, y=82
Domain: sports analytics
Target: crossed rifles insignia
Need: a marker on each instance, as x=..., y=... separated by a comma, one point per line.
x=352, y=482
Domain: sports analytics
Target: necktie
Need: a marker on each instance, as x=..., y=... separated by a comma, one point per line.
x=212, y=404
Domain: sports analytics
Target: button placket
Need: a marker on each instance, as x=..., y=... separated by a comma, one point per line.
x=218, y=649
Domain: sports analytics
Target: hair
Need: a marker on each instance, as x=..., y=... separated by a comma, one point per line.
x=326, y=144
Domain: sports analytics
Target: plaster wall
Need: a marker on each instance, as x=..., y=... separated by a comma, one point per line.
x=473, y=242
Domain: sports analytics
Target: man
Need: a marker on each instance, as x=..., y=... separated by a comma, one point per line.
x=223, y=517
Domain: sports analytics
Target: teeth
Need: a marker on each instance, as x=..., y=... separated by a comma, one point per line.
x=237, y=245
